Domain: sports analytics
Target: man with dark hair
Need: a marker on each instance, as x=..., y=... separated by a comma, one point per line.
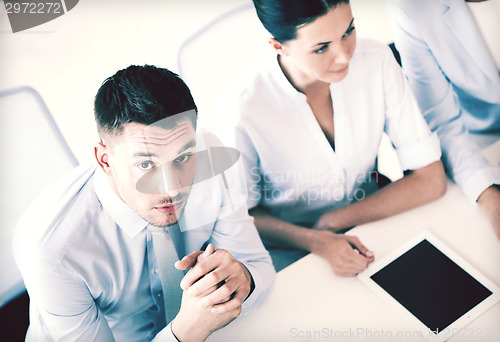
x=104, y=252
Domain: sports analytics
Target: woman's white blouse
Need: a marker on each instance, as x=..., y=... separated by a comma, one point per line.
x=291, y=169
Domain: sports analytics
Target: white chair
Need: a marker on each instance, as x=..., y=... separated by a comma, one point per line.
x=34, y=154
x=217, y=54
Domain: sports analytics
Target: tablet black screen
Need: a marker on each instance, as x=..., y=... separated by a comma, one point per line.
x=431, y=286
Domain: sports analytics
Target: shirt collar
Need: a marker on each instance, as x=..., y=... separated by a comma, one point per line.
x=282, y=80
x=121, y=213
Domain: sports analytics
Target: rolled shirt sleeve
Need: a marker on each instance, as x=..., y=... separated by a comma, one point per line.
x=415, y=144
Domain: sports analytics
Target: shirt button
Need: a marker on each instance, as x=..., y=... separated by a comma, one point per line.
x=159, y=294
x=156, y=270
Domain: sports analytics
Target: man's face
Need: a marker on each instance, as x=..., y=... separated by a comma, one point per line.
x=152, y=169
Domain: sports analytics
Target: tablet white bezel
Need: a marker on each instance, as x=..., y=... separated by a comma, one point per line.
x=460, y=323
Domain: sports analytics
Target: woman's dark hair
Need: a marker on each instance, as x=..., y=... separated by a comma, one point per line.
x=141, y=94
x=282, y=17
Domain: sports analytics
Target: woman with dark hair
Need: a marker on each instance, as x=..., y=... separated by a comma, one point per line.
x=309, y=125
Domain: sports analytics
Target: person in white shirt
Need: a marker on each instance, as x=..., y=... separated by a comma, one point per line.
x=309, y=123
x=86, y=247
x=457, y=85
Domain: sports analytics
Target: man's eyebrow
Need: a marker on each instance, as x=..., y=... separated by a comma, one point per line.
x=188, y=145
x=154, y=155
x=348, y=28
x=145, y=155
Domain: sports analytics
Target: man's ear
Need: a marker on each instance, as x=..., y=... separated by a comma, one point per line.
x=101, y=152
x=278, y=47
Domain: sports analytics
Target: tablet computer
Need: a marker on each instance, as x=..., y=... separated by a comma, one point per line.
x=432, y=286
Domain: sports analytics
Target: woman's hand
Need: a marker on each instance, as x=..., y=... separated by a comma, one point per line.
x=346, y=254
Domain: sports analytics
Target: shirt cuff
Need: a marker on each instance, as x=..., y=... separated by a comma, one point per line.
x=166, y=335
x=263, y=286
x=420, y=154
x=479, y=181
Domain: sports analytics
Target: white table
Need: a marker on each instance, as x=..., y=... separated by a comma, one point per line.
x=311, y=303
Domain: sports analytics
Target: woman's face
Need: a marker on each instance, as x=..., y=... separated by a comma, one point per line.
x=324, y=47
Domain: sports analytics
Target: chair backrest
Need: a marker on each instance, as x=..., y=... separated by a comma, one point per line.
x=34, y=154
x=217, y=54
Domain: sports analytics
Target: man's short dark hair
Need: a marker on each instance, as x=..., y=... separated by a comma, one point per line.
x=141, y=94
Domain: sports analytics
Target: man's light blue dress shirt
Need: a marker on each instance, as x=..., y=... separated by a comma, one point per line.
x=455, y=81
x=90, y=269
